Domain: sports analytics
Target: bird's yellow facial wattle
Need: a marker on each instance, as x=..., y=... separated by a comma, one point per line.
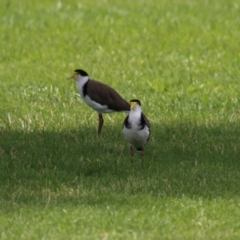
x=74, y=76
x=133, y=105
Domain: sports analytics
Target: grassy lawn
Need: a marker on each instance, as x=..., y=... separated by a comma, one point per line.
x=59, y=181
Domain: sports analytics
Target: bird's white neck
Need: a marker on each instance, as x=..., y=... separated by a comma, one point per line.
x=135, y=116
x=80, y=83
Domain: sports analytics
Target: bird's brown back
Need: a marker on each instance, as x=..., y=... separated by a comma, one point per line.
x=105, y=95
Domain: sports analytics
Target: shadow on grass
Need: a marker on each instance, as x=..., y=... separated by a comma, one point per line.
x=180, y=160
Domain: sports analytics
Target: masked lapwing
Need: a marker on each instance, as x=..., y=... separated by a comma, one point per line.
x=99, y=96
x=136, y=128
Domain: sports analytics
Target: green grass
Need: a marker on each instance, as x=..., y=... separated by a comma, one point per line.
x=59, y=181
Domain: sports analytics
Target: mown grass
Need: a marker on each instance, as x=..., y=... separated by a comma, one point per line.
x=59, y=181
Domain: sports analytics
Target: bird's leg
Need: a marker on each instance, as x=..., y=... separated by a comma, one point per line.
x=142, y=154
x=131, y=153
x=100, y=123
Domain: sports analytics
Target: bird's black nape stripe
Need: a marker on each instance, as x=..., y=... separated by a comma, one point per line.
x=137, y=101
x=85, y=88
x=142, y=122
x=81, y=72
x=126, y=123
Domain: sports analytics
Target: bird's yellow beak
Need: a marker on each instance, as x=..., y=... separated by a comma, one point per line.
x=74, y=76
x=133, y=105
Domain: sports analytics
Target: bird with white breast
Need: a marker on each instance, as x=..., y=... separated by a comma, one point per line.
x=99, y=96
x=136, y=128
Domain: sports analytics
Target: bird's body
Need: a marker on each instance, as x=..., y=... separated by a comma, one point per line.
x=136, y=131
x=99, y=96
x=136, y=128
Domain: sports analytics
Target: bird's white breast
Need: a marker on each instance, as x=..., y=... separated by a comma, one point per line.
x=134, y=119
x=137, y=138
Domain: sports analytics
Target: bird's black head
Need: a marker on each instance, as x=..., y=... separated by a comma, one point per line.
x=81, y=72
x=136, y=101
